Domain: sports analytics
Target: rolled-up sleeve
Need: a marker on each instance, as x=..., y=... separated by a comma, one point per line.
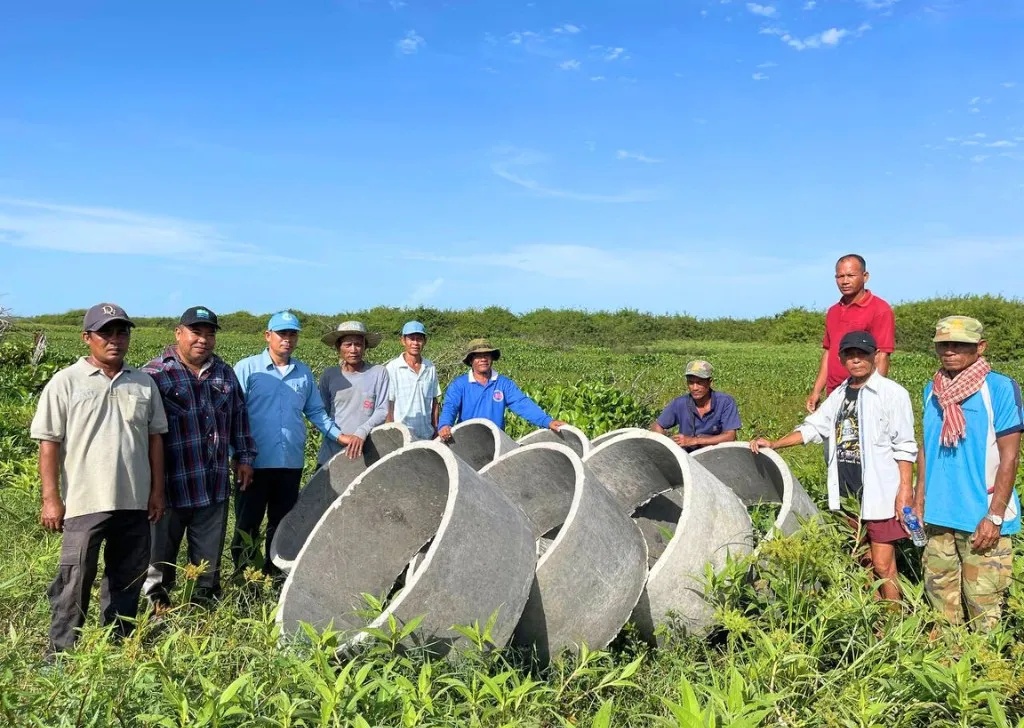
x=901, y=418
x=818, y=425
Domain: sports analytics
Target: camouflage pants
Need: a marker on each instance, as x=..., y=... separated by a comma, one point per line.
x=956, y=575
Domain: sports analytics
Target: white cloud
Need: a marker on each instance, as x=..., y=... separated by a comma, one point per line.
x=411, y=43
x=1002, y=144
x=979, y=158
x=571, y=65
x=1008, y=84
x=832, y=36
x=974, y=110
x=974, y=101
x=108, y=231
x=760, y=76
x=614, y=53
x=765, y=11
x=980, y=135
x=810, y=5
x=423, y=293
x=396, y=4
x=597, y=78
x=767, y=64
x=568, y=28
x=969, y=143
x=637, y=157
x=517, y=159
x=878, y=4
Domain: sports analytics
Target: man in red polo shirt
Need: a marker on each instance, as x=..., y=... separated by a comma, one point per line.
x=858, y=310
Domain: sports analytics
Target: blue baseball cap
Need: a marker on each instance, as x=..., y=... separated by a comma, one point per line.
x=414, y=327
x=284, y=321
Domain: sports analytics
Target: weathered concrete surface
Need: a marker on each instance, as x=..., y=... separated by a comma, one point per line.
x=481, y=560
x=658, y=483
x=479, y=442
x=611, y=435
x=590, y=576
x=761, y=478
x=574, y=438
x=325, y=485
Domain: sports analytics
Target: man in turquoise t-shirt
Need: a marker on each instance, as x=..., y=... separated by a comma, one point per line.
x=973, y=420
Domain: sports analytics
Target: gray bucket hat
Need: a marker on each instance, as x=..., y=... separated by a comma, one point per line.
x=350, y=328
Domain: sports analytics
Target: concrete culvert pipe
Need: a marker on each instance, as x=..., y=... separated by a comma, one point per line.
x=479, y=442
x=760, y=479
x=591, y=575
x=481, y=559
x=568, y=435
x=689, y=518
x=325, y=485
x=612, y=434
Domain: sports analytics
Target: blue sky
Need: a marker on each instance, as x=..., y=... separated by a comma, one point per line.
x=712, y=157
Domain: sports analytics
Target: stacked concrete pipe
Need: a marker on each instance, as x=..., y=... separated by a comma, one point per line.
x=480, y=442
x=761, y=478
x=612, y=434
x=664, y=489
x=574, y=438
x=326, y=484
x=480, y=562
x=591, y=575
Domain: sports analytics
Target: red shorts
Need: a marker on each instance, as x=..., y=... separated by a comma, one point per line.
x=888, y=530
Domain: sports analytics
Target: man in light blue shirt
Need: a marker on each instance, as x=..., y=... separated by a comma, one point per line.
x=413, y=392
x=279, y=390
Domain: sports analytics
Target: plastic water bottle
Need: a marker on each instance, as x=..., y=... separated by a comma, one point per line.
x=917, y=534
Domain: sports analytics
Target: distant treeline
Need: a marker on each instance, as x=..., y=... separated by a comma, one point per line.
x=915, y=324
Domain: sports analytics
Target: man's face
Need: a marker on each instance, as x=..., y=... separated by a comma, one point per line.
x=859, y=364
x=351, y=348
x=196, y=342
x=282, y=343
x=699, y=388
x=850, y=277
x=481, y=363
x=109, y=344
x=957, y=356
x=414, y=344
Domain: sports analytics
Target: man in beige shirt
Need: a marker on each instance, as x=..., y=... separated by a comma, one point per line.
x=99, y=424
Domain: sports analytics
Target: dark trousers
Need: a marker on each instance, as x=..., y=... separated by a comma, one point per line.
x=205, y=529
x=272, y=492
x=125, y=556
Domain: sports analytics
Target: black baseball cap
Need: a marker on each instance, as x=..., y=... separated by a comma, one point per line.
x=102, y=314
x=861, y=340
x=199, y=315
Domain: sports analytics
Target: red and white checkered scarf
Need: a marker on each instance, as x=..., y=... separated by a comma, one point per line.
x=951, y=391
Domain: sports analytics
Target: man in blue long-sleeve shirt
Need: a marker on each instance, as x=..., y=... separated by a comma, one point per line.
x=485, y=393
x=279, y=390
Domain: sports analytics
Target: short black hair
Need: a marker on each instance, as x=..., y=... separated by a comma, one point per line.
x=858, y=258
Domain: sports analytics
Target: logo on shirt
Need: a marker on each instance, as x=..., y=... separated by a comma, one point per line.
x=368, y=404
x=498, y=395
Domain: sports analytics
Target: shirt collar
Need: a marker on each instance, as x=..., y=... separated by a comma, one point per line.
x=171, y=352
x=267, y=363
x=863, y=301
x=871, y=384
x=84, y=362
x=711, y=401
x=472, y=379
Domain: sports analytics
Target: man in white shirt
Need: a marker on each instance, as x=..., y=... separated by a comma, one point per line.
x=414, y=395
x=868, y=425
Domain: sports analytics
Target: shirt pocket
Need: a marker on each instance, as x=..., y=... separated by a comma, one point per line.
x=134, y=408
x=882, y=433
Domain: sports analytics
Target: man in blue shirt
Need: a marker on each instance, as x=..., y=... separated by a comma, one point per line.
x=485, y=393
x=279, y=389
x=704, y=417
x=973, y=420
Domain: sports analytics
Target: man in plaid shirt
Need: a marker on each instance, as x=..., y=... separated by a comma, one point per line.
x=208, y=425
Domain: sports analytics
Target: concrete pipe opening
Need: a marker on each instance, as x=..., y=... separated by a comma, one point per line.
x=325, y=485
x=763, y=482
x=689, y=520
x=574, y=438
x=480, y=561
x=479, y=442
x=612, y=434
x=592, y=572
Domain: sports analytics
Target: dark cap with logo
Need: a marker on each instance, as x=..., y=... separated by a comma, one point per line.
x=102, y=314
x=860, y=340
x=199, y=315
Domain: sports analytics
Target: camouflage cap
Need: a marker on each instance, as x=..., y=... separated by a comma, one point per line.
x=699, y=368
x=480, y=346
x=963, y=329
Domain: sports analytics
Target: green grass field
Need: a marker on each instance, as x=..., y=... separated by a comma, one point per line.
x=806, y=645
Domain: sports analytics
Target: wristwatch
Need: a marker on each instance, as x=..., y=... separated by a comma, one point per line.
x=994, y=519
